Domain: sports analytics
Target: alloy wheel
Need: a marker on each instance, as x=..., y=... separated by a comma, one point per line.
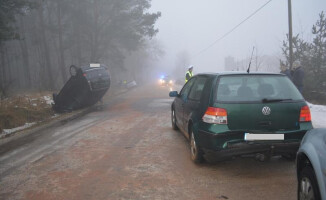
x=306, y=190
x=174, y=120
x=193, y=147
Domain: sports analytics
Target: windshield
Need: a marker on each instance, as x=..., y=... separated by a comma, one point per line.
x=96, y=73
x=253, y=88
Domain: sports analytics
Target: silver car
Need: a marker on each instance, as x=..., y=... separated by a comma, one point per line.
x=311, y=165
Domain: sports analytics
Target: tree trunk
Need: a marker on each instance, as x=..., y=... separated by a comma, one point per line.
x=17, y=66
x=77, y=48
x=94, y=53
x=25, y=55
x=61, y=49
x=8, y=65
x=46, y=52
x=2, y=68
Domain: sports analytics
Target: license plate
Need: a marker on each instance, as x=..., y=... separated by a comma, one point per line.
x=260, y=137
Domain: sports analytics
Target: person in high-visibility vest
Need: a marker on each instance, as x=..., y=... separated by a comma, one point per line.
x=189, y=73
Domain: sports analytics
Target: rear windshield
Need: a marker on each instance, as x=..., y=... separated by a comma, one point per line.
x=96, y=73
x=253, y=88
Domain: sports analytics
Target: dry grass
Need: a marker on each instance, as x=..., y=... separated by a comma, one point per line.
x=18, y=110
x=32, y=107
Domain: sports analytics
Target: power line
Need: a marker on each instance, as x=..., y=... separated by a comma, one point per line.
x=226, y=34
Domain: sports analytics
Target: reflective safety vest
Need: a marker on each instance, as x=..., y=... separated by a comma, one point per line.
x=190, y=75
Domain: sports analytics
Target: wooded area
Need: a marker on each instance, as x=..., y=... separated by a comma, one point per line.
x=40, y=39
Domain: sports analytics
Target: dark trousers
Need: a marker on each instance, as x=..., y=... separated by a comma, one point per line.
x=300, y=88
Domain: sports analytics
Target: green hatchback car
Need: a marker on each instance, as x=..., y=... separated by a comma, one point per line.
x=234, y=114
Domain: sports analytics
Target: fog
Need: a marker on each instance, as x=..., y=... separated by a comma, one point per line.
x=191, y=26
x=39, y=41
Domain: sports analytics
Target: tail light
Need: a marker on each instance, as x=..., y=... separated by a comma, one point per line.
x=305, y=115
x=215, y=116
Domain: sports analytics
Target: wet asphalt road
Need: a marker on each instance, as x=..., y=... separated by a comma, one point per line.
x=128, y=150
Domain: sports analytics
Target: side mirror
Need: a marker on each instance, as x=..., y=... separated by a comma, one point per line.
x=173, y=94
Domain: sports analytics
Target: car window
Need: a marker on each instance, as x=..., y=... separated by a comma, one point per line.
x=244, y=88
x=185, y=90
x=197, y=89
x=96, y=73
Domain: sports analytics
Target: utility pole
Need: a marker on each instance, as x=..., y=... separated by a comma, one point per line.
x=290, y=35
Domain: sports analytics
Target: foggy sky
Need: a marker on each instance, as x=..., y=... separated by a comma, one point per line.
x=192, y=25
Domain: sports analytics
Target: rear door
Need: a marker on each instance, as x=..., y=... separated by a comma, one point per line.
x=259, y=102
x=193, y=103
x=181, y=100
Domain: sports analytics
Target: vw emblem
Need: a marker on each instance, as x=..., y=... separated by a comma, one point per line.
x=266, y=110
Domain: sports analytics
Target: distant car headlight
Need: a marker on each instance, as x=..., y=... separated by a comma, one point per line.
x=170, y=81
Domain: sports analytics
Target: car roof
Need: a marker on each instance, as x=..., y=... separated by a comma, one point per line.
x=238, y=73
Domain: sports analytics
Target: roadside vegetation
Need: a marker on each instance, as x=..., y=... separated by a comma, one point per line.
x=312, y=56
x=18, y=110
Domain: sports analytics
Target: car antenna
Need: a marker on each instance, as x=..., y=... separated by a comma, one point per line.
x=248, y=70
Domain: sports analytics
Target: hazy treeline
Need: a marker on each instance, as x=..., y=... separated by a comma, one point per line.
x=40, y=39
x=312, y=57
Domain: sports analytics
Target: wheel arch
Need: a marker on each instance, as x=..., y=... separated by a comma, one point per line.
x=302, y=162
x=190, y=127
x=308, y=156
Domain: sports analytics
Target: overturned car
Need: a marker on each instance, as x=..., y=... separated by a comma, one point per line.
x=86, y=86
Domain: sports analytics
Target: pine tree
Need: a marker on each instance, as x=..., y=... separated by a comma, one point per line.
x=8, y=11
x=312, y=57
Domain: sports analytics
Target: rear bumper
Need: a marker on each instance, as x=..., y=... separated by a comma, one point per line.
x=245, y=148
x=233, y=144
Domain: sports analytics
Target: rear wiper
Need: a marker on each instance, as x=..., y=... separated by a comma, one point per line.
x=265, y=100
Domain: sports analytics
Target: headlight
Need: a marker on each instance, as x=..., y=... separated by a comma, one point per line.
x=170, y=81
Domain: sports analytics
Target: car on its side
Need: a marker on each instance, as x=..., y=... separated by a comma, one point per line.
x=233, y=114
x=311, y=165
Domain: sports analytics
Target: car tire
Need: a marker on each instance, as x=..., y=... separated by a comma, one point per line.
x=307, y=185
x=174, y=120
x=195, y=151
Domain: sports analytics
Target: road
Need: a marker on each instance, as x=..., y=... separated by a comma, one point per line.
x=128, y=150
